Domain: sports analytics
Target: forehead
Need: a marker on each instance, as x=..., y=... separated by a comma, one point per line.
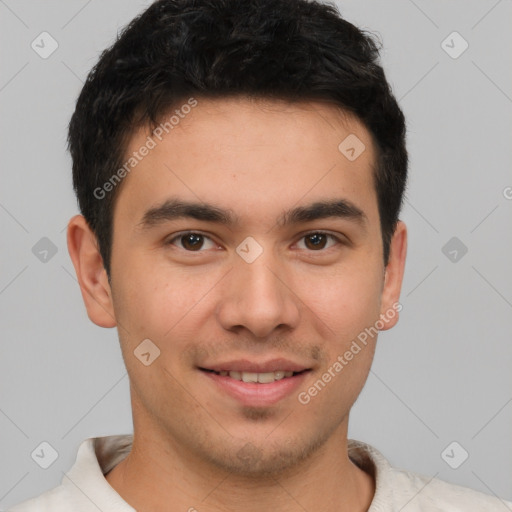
x=243, y=153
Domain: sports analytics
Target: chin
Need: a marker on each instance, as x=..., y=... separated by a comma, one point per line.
x=264, y=458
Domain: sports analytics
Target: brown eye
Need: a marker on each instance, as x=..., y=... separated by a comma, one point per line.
x=317, y=241
x=192, y=242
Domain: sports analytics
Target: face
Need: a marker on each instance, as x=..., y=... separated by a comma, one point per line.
x=247, y=245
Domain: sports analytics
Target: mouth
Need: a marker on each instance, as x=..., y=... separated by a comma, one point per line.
x=256, y=377
x=256, y=385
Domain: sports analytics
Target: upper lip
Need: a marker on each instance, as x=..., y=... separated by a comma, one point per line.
x=244, y=365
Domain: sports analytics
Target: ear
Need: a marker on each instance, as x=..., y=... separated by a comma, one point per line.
x=393, y=276
x=91, y=274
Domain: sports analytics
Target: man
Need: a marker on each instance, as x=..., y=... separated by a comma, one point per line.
x=240, y=168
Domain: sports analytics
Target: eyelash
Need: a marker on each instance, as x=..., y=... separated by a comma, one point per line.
x=184, y=233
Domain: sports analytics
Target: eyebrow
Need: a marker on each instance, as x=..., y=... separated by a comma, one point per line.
x=173, y=209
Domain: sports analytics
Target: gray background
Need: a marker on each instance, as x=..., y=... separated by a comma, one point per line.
x=442, y=375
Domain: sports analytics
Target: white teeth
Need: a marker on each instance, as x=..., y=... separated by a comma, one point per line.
x=265, y=378
x=262, y=378
x=249, y=377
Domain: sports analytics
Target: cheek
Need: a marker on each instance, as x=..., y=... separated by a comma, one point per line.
x=155, y=300
x=350, y=307
x=151, y=305
x=347, y=301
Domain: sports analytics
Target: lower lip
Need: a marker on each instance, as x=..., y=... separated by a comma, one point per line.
x=253, y=394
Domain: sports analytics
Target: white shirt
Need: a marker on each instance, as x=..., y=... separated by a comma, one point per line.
x=85, y=489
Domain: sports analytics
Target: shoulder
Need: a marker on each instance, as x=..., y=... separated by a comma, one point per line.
x=398, y=489
x=56, y=500
x=84, y=487
x=433, y=494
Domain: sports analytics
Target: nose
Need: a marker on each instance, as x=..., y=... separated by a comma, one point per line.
x=258, y=299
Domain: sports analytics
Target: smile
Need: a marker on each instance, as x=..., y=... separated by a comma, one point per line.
x=255, y=384
x=254, y=377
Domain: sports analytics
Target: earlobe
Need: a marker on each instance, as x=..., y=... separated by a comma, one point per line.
x=393, y=276
x=90, y=272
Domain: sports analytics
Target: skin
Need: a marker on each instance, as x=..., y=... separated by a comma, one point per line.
x=256, y=159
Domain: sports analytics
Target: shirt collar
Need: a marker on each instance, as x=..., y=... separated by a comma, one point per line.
x=98, y=455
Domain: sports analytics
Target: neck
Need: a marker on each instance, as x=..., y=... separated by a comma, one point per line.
x=157, y=473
